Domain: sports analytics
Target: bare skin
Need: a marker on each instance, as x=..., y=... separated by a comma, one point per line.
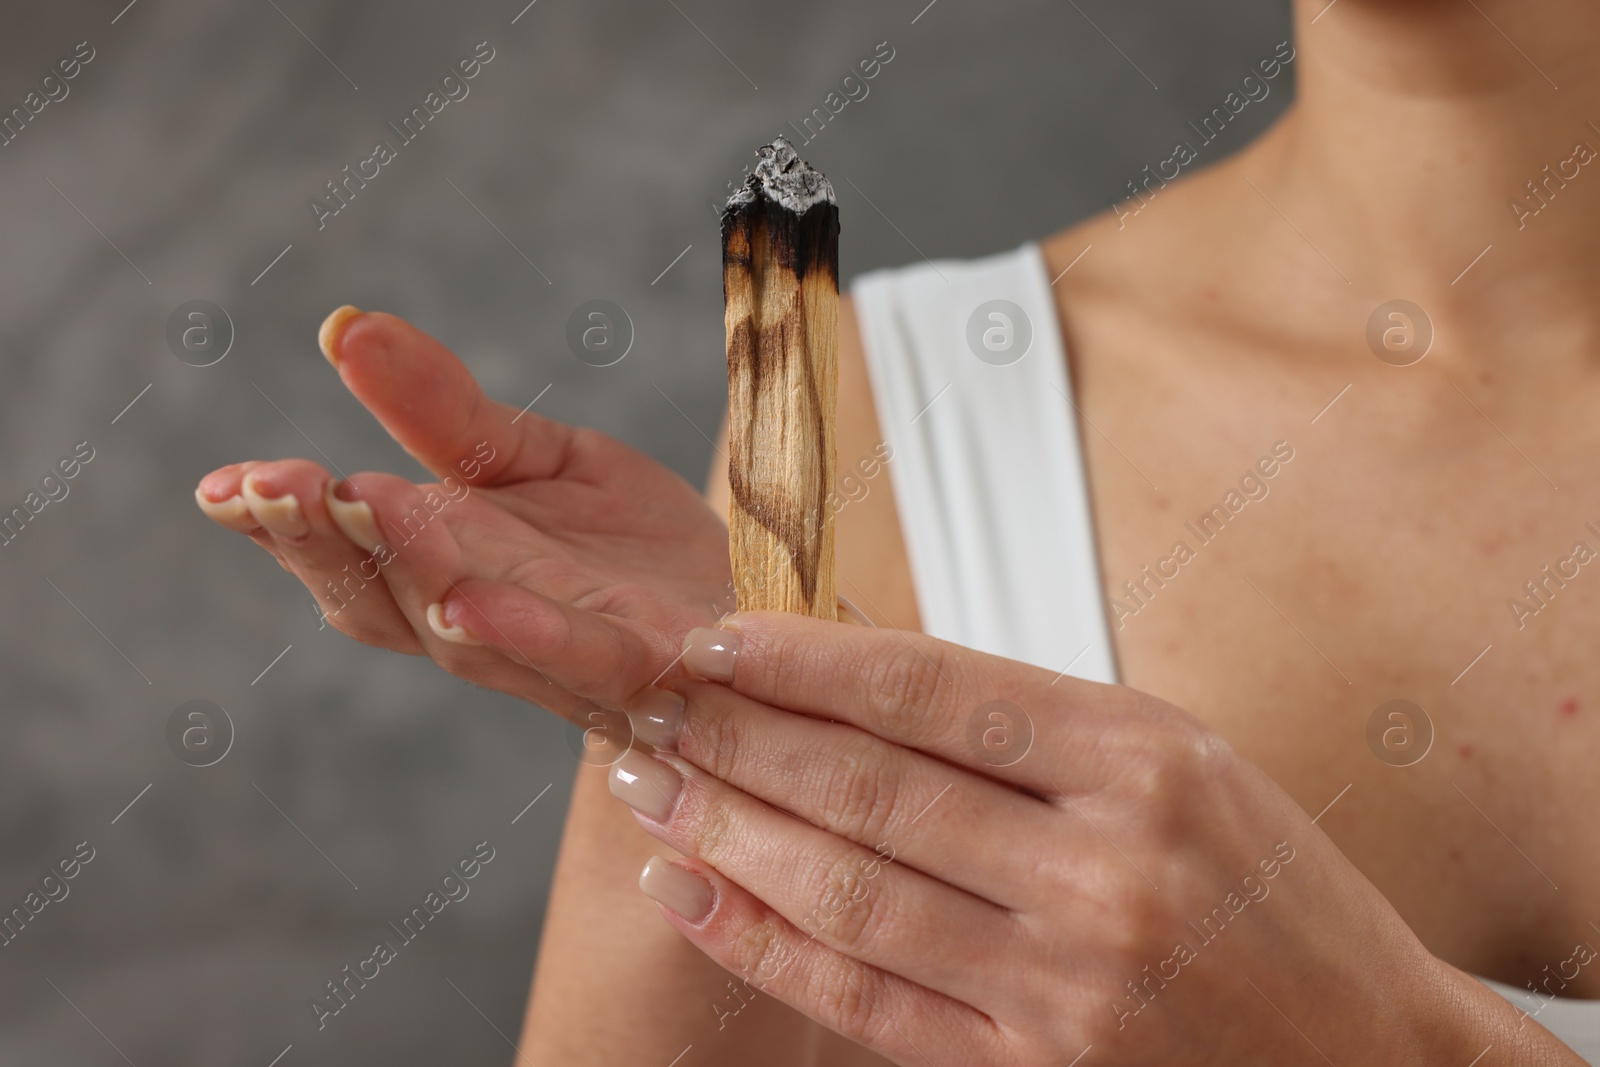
x=1202, y=331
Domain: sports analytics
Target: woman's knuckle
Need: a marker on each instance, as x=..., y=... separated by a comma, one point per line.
x=846, y=1005
x=861, y=793
x=760, y=951
x=715, y=741
x=708, y=826
x=792, y=665
x=1175, y=768
x=1133, y=925
x=903, y=683
x=848, y=915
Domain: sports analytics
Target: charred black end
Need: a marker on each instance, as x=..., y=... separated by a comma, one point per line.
x=801, y=244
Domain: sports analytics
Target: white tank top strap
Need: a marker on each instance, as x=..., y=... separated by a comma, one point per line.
x=969, y=378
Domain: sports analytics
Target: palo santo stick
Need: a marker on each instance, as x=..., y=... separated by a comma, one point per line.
x=780, y=281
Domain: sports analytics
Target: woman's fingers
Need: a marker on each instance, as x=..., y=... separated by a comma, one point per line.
x=286, y=507
x=222, y=501
x=1021, y=724
x=601, y=656
x=428, y=401
x=221, y=498
x=910, y=1024
x=932, y=816
x=855, y=899
x=379, y=555
x=412, y=555
x=407, y=531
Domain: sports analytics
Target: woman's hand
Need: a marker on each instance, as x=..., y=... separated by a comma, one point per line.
x=953, y=858
x=590, y=559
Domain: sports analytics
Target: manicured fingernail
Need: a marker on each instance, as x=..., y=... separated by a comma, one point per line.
x=452, y=632
x=281, y=515
x=657, y=718
x=710, y=653
x=229, y=512
x=848, y=612
x=332, y=326
x=645, y=785
x=352, y=515
x=677, y=890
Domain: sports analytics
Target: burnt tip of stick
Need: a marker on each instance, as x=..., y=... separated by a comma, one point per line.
x=784, y=215
x=782, y=178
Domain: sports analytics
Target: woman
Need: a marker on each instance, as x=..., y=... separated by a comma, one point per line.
x=1286, y=870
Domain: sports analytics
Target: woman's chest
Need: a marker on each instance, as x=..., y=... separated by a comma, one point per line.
x=1397, y=625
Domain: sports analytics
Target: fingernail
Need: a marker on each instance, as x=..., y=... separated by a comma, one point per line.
x=680, y=891
x=352, y=515
x=452, y=632
x=657, y=718
x=229, y=512
x=710, y=653
x=848, y=612
x=281, y=515
x=332, y=326
x=645, y=785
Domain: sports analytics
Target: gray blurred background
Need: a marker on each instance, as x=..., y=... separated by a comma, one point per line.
x=179, y=167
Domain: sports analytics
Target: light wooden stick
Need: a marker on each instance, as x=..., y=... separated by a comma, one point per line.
x=780, y=281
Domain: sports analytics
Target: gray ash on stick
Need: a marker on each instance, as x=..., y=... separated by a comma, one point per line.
x=780, y=280
x=794, y=205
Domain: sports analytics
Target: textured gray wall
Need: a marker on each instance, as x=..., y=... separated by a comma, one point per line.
x=594, y=140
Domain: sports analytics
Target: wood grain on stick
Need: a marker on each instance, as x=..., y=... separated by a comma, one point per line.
x=780, y=280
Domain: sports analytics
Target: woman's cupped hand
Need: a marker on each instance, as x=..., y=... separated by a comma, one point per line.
x=584, y=560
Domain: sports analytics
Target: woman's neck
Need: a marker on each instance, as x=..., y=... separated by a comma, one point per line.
x=1448, y=152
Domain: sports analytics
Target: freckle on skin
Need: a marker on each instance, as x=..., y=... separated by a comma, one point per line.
x=1569, y=706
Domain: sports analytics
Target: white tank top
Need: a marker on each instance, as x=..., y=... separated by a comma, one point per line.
x=969, y=380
